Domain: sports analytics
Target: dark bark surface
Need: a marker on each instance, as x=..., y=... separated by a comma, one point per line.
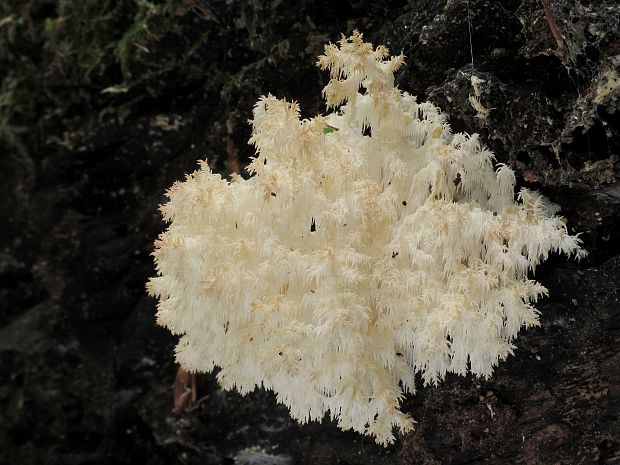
x=103, y=104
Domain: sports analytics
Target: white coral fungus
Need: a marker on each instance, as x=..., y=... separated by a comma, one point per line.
x=368, y=245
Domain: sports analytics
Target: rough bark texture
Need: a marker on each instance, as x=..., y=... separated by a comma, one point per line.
x=103, y=104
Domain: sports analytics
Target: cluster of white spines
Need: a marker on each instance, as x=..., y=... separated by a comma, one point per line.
x=369, y=244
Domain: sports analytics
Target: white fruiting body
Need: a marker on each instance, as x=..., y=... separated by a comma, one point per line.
x=369, y=244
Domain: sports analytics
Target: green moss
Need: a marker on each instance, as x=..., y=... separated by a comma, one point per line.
x=84, y=34
x=81, y=54
x=139, y=30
